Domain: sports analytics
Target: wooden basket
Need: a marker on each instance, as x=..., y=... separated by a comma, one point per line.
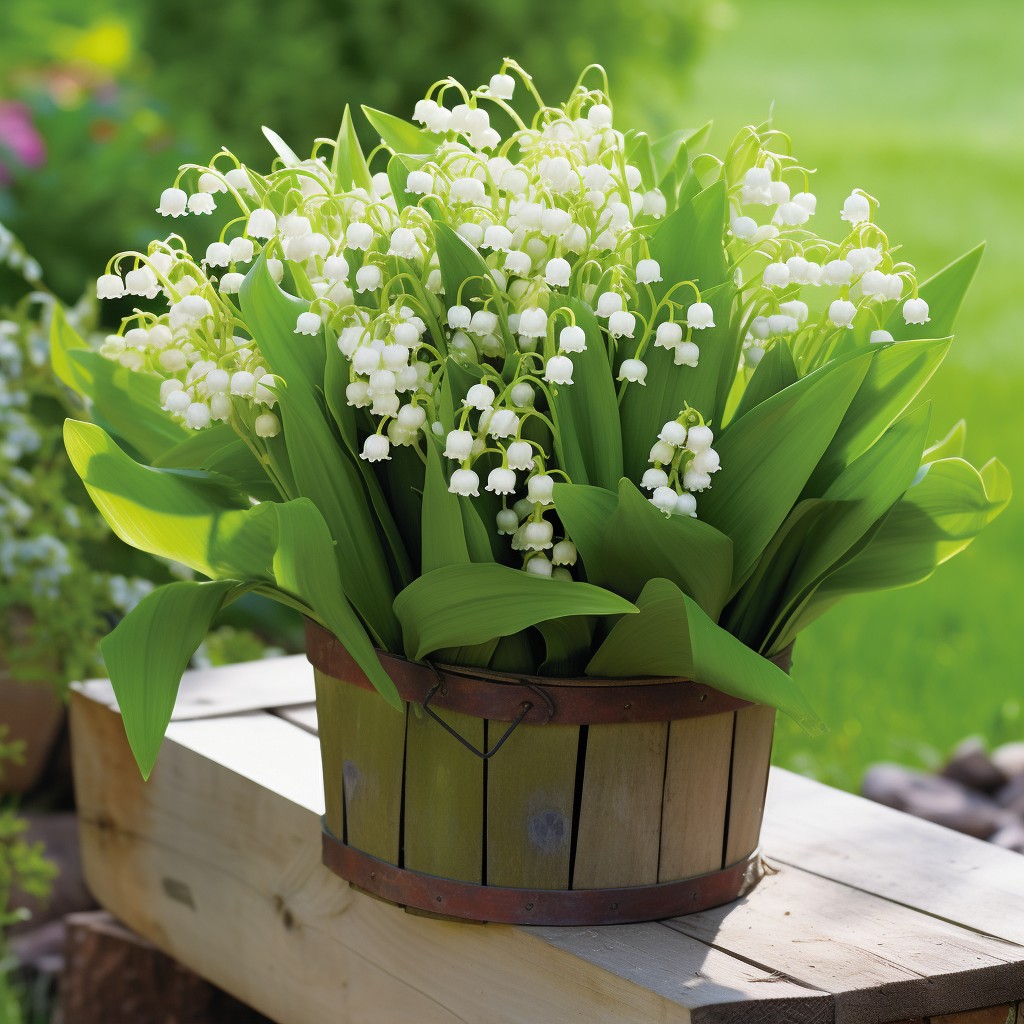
x=529, y=800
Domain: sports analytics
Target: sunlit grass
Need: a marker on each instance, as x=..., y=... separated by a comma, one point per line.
x=921, y=106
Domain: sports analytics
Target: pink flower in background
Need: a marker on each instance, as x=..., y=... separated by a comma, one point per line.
x=20, y=143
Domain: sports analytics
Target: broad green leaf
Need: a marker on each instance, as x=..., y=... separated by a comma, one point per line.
x=288, y=155
x=147, y=654
x=64, y=340
x=640, y=153
x=301, y=568
x=443, y=539
x=349, y=164
x=185, y=516
x=665, y=151
x=944, y=293
x=951, y=446
x=937, y=518
x=768, y=455
x=641, y=543
x=895, y=377
x=567, y=644
x=584, y=511
x=471, y=604
x=218, y=449
x=401, y=136
x=861, y=495
x=586, y=412
x=323, y=470
x=671, y=636
x=776, y=371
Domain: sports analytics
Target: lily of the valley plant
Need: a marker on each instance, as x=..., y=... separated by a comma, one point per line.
x=526, y=391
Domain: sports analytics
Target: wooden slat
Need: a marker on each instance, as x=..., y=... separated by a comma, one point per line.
x=363, y=756
x=531, y=784
x=217, y=861
x=880, y=961
x=229, y=689
x=303, y=715
x=992, y=1015
x=866, y=845
x=752, y=748
x=620, y=811
x=696, y=790
x=444, y=797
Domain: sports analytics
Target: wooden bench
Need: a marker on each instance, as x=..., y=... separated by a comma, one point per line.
x=866, y=915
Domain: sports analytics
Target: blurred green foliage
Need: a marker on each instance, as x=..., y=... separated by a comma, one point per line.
x=122, y=94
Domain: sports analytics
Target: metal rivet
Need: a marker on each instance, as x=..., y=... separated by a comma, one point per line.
x=438, y=898
x=529, y=906
x=626, y=707
x=615, y=906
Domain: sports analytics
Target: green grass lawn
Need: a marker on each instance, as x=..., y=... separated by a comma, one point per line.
x=922, y=105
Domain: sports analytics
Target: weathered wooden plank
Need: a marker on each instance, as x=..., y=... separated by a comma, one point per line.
x=992, y=1015
x=696, y=792
x=302, y=715
x=880, y=960
x=444, y=797
x=905, y=859
x=751, y=751
x=620, y=812
x=217, y=861
x=363, y=757
x=229, y=689
x=531, y=784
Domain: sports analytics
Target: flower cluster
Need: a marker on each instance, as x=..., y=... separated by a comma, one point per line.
x=557, y=215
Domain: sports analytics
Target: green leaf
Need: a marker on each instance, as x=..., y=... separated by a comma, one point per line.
x=641, y=543
x=584, y=511
x=218, y=449
x=301, y=569
x=349, y=164
x=768, y=455
x=567, y=644
x=288, y=155
x=586, y=412
x=944, y=293
x=776, y=371
x=471, y=604
x=185, y=516
x=895, y=377
x=951, y=446
x=671, y=636
x=147, y=654
x=323, y=471
x=443, y=534
x=640, y=153
x=64, y=340
x=401, y=136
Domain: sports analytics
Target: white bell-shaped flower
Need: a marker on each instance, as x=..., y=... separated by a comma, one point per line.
x=634, y=371
x=700, y=315
x=668, y=335
x=520, y=455
x=507, y=522
x=502, y=86
x=775, y=275
x=699, y=439
x=197, y=416
x=706, y=461
x=608, y=303
x=621, y=324
x=479, y=396
x=142, y=281
x=201, y=203
x=173, y=202
x=686, y=505
x=540, y=489
x=533, y=323
x=841, y=313
x=880, y=337
x=501, y=481
x=458, y=445
x=915, y=311
x=673, y=433
x=109, y=286
x=518, y=262
x=557, y=272
x=558, y=370
x=572, y=338
x=648, y=272
x=465, y=482
x=218, y=254
x=856, y=208
x=376, y=448
x=654, y=478
x=664, y=498
x=261, y=224
x=686, y=354
x=369, y=278
x=308, y=323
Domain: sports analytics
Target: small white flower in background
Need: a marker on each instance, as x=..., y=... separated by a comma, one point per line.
x=261, y=224
x=794, y=308
x=915, y=311
x=507, y=522
x=686, y=354
x=775, y=275
x=538, y=565
x=201, y=203
x=502, y=86
x=608, y=303
x=880, y=337
x=267, y=425
x=368, y=278
x=686, y=505
x=173, y=203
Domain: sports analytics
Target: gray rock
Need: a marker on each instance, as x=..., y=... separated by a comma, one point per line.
x=1011, y=796
x=936, y=798
x=1011, y=837
x=971, y=765
x=1009, y=758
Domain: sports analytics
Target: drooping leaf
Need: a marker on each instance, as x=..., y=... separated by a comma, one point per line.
x=776, y=371
x=768, y=455
x=471, y=604
x=895, y=377
x=401, y=136
x=567, y=644
x=641, y=543
x=301, y=567
x=443, y=539
x=185, y=516
x=586, y=412
x=148, y=651
x=671, y=636
x=944, y=292
x=951, y=446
